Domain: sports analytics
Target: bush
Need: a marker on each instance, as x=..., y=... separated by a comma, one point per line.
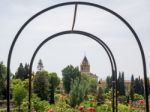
x=138, y=97
x=19, y=93
x=122, y=107
x=122, y=99
x=38, y=105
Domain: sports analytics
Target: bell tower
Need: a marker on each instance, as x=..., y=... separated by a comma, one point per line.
x=85, y=66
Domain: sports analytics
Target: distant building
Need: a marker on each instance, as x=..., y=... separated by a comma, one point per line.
x=127, y=84
x=85, y=68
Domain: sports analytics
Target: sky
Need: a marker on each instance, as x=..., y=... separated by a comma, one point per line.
x=71, y=48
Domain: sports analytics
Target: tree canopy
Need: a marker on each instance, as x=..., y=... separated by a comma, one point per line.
x=53, y=83
x=69, y=74
x=3, y=74
x=22, y=72
x=41, y=84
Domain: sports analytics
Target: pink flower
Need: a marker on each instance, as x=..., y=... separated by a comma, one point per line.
x=141, y=102
x=91, y=109
x=50, y=110
x=81, y=108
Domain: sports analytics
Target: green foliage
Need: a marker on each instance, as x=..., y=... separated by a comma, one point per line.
x=69, y=73
x=3, y=75
x=132, y=88
x=103, y=108
x=122, y=107
x=19, y=93
x=41, y=106
x=41, y=85
x=38, y=105
x=108, y=95
x=22, y=72
x=19, y=89
x=18, y=82
x=138, y=86
x=54, y=79
x=100, y=97
x=53, y=83
x=120, y=84
x=79, y=91
x=122, y=99
x=92, y=83
x=138, y=97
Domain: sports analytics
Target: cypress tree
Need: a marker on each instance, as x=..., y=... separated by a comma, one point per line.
x=20, y=74
x=41, y=85
x=53, y=83
x=26, y=67
x=141, y=87
x=138, y=86
x=3, y=78
x=120, y=84
x=132, y=88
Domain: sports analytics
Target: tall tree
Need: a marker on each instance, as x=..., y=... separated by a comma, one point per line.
x=123, y=86
x=22, y=72
x=26, y=67
x=142, y=87
x=53, y=83
x=120, y=84
x=3, y=75
x=69, y=73
x=19, y=92
x=138, y=86
x=41, y=84
x=132, y=88
x=40, y=65
x=79, y=90
x=92, y=85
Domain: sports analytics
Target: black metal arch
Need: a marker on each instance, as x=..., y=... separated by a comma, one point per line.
x=103, y=44
x=74, y=3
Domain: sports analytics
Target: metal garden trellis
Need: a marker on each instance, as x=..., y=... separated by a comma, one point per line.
x=78, y=3
x=106, y=48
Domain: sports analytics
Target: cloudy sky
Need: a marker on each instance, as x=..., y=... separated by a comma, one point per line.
x=70, y=49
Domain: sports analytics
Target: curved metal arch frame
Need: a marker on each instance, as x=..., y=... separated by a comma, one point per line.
x=103, y=44
x=81, y=3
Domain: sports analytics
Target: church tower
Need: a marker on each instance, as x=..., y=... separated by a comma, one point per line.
x=85, y=66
